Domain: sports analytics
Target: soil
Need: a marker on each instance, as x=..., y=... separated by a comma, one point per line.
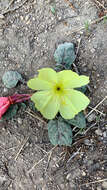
x=29, y=35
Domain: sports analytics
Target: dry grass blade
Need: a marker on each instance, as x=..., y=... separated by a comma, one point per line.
x=10, y=3
x=14, y=9
x=41, y=148
x=96, y=106
x=21, y=147
x=36, y=116
x=100, y=4
x=99, y=181
x=73, y=155
x=36, y=163
x=90, y=23
x=94, y=124
x=96, y=110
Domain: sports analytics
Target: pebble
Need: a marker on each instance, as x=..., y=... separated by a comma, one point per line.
x=91, y=117
x=83, y=173
x=104, y=185
x=98, y=132
x=68, y=176
x=5, y=89
x=19, y=120
x=99, y=188
x=104, y=134
x=62, y=186
x=87, y=142
x=94, y=167
x=84, y=69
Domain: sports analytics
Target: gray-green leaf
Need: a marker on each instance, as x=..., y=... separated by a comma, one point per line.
x=11, y=112
x=79, y=121
x=59, y=132
x=65, y=54
x=11, y=78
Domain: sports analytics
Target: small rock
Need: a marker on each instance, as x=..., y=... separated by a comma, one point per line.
x=87, y=142
x=92, y=50
x=104, y=134
x=84, y=69
x=1, y=16
x=19, y=120
x=72, y=186
x=5, y=90
x=104, y=185
x=94, y=167
x=98, y=132
x=68, y=176
x=99, y=188
x=83, y=173
x=91, y=117
x=62, y=186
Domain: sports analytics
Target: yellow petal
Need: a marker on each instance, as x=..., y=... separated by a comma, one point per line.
x=71, y=79
x=48, y=74
x=78, y=99
x=38, y=84
x=51, y=109
x=41, y=99
x=67, y=110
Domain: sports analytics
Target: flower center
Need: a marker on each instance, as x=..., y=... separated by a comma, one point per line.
x=58, y=88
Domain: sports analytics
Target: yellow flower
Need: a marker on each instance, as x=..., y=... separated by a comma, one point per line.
x=57, y=94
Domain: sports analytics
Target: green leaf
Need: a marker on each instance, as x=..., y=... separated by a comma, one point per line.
x=53, y=10
x=32, y=106
x=22, y=106
x=11, y=112
x=59, y=132
x=82, y=89
x=79, y=121
x=87, y=26
x=11, y=78
x=65, y=55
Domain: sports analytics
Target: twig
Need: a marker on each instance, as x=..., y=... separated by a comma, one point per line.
x=14, y=9
x=49, y=158
x=101, y=5
x=36, y=163
x=21, y=147
x=97, y=110
x=79, y=141
x=89, y=128
x=10, y=3
x=41, y=148
x=75, y=153
x=91, y=23
x=71, y=5
x=99, y=181
x=96, y=106
x=36, y=116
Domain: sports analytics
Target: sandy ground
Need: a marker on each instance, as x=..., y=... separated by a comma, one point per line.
x=29, y=35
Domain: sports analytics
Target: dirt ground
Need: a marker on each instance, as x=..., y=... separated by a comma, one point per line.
x=29, y=35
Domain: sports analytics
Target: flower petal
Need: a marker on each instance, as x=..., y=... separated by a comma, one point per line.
x=51, y=109
x=72, y=103
x=48, y=74
x=78, y=99
x=41, y=99
x=67, y=110
x=71, y=79
x=38, y=84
